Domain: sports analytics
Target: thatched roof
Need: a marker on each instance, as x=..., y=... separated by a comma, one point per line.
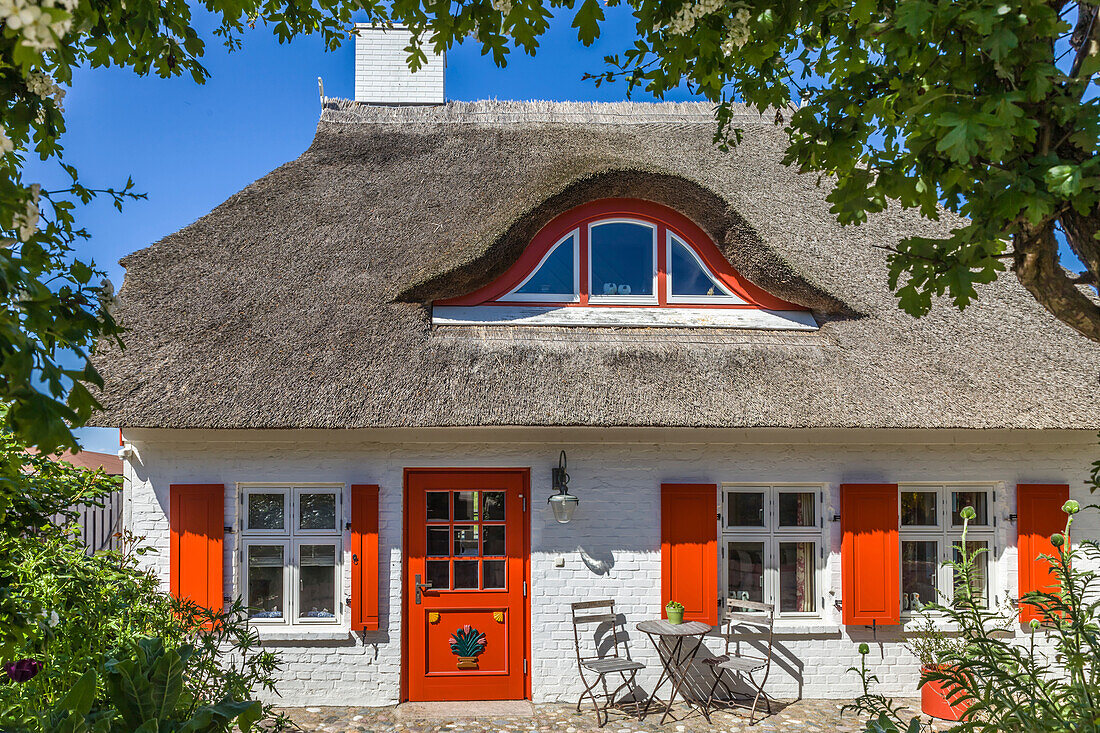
x=304, y=300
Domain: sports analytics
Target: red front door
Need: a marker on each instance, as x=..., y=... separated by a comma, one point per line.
x=466, y=536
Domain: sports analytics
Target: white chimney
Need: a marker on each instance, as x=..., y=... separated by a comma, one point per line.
x=382, y=74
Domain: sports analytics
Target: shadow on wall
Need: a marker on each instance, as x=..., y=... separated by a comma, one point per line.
x=599, y=561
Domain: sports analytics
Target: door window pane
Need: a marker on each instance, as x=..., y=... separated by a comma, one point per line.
x=979, y=579
x=265, y=581
x=493, y=540
x=918, y=509
x=317, y=592
x=977, y=499
x=745, y=562
x=493, y=571
x=466, y=541
x=919, y=562
x=555, y=274
x=492, y=506
x=439, y=541
x=796, y=577
x=466, y=506
x=439, y=574
x=688, y=277
x=439, y=505
x=266, y=511
x=317, y=511
x=621, y=259
x=465, y=574
x=797, y=509
x=744, y=509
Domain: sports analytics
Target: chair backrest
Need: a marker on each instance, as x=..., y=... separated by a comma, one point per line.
x=588, y=614
x=760, y=617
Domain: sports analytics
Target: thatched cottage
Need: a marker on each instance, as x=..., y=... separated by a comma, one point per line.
x=347, y=389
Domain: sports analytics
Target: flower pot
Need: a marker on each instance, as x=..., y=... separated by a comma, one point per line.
x=935, y=703
x=675, y=617
x=467, y=662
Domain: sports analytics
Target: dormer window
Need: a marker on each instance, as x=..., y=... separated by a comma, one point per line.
x=622, y=262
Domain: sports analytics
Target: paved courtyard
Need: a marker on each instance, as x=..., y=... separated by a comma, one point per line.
x=793, y=717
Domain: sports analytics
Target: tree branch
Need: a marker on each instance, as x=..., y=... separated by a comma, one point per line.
x=1036, y=265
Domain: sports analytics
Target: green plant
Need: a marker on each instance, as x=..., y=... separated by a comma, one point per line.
x=467, y=642
x=931, y=645
x=1049, y=681
x=674, y=606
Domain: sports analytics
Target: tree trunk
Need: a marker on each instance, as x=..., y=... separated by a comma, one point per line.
x=1038, y=269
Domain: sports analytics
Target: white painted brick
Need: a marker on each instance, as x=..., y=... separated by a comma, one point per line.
x=617, y=522
x=382, y=75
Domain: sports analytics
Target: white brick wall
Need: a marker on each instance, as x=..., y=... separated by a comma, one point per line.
x=612, y=547
x=382, y=74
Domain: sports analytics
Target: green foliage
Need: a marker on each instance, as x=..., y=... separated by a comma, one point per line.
x=467, y=642
x=1047, y=681
x=674, y=606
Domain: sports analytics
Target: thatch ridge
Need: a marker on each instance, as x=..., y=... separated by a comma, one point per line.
x=301, y=301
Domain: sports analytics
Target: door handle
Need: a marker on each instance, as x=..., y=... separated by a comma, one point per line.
x=421, y=587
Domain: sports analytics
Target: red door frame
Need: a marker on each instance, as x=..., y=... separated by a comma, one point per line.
x=525, y=477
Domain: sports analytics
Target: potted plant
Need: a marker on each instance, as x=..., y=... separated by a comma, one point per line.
x=931, y=646
x=675, y=612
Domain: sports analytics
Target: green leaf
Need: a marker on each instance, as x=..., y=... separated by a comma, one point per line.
x=1064, y=179
x=587, y=21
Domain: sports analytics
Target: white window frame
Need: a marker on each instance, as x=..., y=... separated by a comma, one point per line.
x=574, y=297
x=730, y=298
x=771, y=534
x=593, y=296
x=948, y=535
x=291, y=540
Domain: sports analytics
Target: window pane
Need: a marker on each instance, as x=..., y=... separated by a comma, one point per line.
x=266, y=511
x=492, y=506
x=439, y=574
x=439, y=541
x=555, y=275
x=688, y=278
x=317, y=511
x=493, y=540
x=493, y=571
x=918, y=574
x=979, y=579
x=622, y=259
x=317, y=584
x=977, y=499
x=918, y=509
x=439, y=505
x=466, y=506
x=466, y=541
x=465, y=573
x=796, y=577
x=797, y=510
x=745, y=570
x=744, y=509
x=265, y=581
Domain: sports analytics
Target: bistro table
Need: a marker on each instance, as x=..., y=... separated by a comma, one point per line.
x=674, y=658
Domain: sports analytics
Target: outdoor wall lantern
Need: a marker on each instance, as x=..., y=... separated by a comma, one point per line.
x=563, y=503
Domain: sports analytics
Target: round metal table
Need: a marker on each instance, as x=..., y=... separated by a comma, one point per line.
x=674, y=658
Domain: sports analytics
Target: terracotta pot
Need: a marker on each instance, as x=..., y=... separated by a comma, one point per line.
x=675, y=617
x=467, y=662
x=935, y=703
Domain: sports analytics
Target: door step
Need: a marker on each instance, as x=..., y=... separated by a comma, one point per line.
x=464, y=709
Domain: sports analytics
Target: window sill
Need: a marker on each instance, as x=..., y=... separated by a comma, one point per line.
x=799, y=627
x=302, y=633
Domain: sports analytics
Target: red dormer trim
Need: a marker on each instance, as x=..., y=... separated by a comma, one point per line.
x=665, y=220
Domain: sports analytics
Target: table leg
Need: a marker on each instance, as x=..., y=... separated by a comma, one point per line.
x=679, y=676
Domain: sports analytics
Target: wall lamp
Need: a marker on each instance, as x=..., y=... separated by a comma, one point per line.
x=563, y=503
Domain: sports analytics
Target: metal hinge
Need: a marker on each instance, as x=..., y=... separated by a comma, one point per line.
x=524, y=500
x=525, y=589
x=525, y=666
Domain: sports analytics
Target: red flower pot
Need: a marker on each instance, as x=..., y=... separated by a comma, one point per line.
x=934, y=700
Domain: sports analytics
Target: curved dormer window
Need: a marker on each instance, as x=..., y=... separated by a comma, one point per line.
x=622, y=262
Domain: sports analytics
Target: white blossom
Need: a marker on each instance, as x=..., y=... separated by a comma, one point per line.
x=54, y=619
x=37, y=28
x=27, y=222
x=502, y=6
x=6, y=145
x=690, y=13
x=737, y=32
x=42, y=85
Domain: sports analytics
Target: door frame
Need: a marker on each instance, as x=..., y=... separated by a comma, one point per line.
x=524, y=472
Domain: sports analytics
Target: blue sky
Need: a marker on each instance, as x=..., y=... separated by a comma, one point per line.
x=191, y=146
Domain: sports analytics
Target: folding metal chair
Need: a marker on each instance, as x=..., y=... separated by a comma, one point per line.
x=759, y=620
x=606, y=659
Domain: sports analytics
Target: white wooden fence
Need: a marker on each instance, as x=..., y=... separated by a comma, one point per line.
x=99, y=525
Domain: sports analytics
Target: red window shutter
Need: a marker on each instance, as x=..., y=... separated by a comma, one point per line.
x=364, y=557
x=689, y=549
x=1038, y=515
x=197, y=514
x=870, y=554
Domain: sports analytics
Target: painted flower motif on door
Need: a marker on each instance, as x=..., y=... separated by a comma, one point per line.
x=467, y=643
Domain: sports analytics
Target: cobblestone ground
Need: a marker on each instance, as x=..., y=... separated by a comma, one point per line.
x=793, y=717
